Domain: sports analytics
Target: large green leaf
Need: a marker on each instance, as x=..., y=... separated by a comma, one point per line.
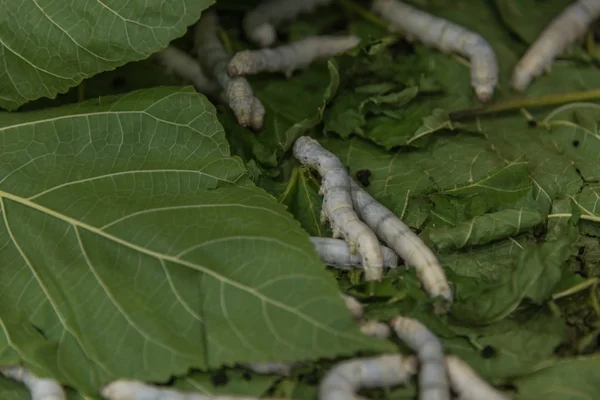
x=46, y=47
x=134, y=246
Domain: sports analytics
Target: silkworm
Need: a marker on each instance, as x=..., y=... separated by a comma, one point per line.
x=247, y=108
x=186, y=67
x=346, y=378
x=136, y=390
x=39, y=388
x=274, y=368
x=467, y=384
x=405, y=243
x=289, y=57
x=367, y=326
x=261, y=23
x=336, y=252
x=570, y=25
x=448, y=38
x=337, y=204
x=433, y=381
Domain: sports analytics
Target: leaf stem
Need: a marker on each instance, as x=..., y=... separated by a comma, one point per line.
x=536, y=101
x=575, y=289
x=363, y=12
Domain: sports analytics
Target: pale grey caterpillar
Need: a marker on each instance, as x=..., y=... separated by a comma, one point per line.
x=433, y=380
x=337, y=204
x=336, y=252
x=136, y=390
x=344, y=380
x=447, y=37
x=39, y=388
x=260, y=24
x=270, y=368
x=289, y=57
x=467, y=384
x=185, y=66
x=247, y=108
x=571, y=24
x=405, y=243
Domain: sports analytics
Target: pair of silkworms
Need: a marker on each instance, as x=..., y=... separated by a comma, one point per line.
x=361, y=220
x=437, y=373
x=570, y=25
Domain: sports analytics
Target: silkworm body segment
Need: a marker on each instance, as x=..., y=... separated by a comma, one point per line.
x=343, y=380
x=337, y=253
x=571, y=24
x=337, y=204
x=290, y=57
x=39, y=388
x=447, y=37
x=467, y=384
x=433, y=381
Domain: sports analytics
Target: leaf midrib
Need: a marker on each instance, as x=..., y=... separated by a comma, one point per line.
x=172, y=259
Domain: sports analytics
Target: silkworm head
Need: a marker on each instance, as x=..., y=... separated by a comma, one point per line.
x=521, y=78
x=123, y=389
x=239, y=63
x=264, y=35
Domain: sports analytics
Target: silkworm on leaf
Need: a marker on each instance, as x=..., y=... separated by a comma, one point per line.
x=260, y=24
x=405, y=243
x=248, y=109
x=337, y=204
x=570, y=25
x=344, y=380
x=447, y=37
x=289, y=57
x=186, y=67
x=467, y=384
x=336, y=252
x=39, y=388
x=433, y=381
x=136, y=390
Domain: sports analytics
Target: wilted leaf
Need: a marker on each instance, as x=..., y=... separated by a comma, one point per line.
x=138, y=248
x=47, y=48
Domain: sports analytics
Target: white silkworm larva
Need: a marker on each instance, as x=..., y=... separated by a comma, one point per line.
x=571, y=24
x=136, y=390
x=247, y=108
x=261, y=23
x=186, y=67
x=337, y=204
x=433, y=380
x=289, y=57
x=405, y=243
x=467, y=384
x=346, y=378
x=270, y=368
x=448, y=38
x=39, y=388
x=354, y=306
x=336, y=252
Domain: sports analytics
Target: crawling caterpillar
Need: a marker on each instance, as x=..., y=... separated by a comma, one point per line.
x=247, y=108
x=447, y=37
x=187, y=68
x=39, y=389
x=136, y=390
x=404, y=242
x=554, y=40
x=346, y=378
x=337, y=204
x=467, y=384
x=433, y=382
x=275, y=368
x=261, y=23
x=289, y=57
x=367, y=326
x=337, y=253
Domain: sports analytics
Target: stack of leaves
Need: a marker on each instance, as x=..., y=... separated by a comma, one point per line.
x=147, y=235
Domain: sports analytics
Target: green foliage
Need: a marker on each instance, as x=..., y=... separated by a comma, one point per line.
x=135, y=245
